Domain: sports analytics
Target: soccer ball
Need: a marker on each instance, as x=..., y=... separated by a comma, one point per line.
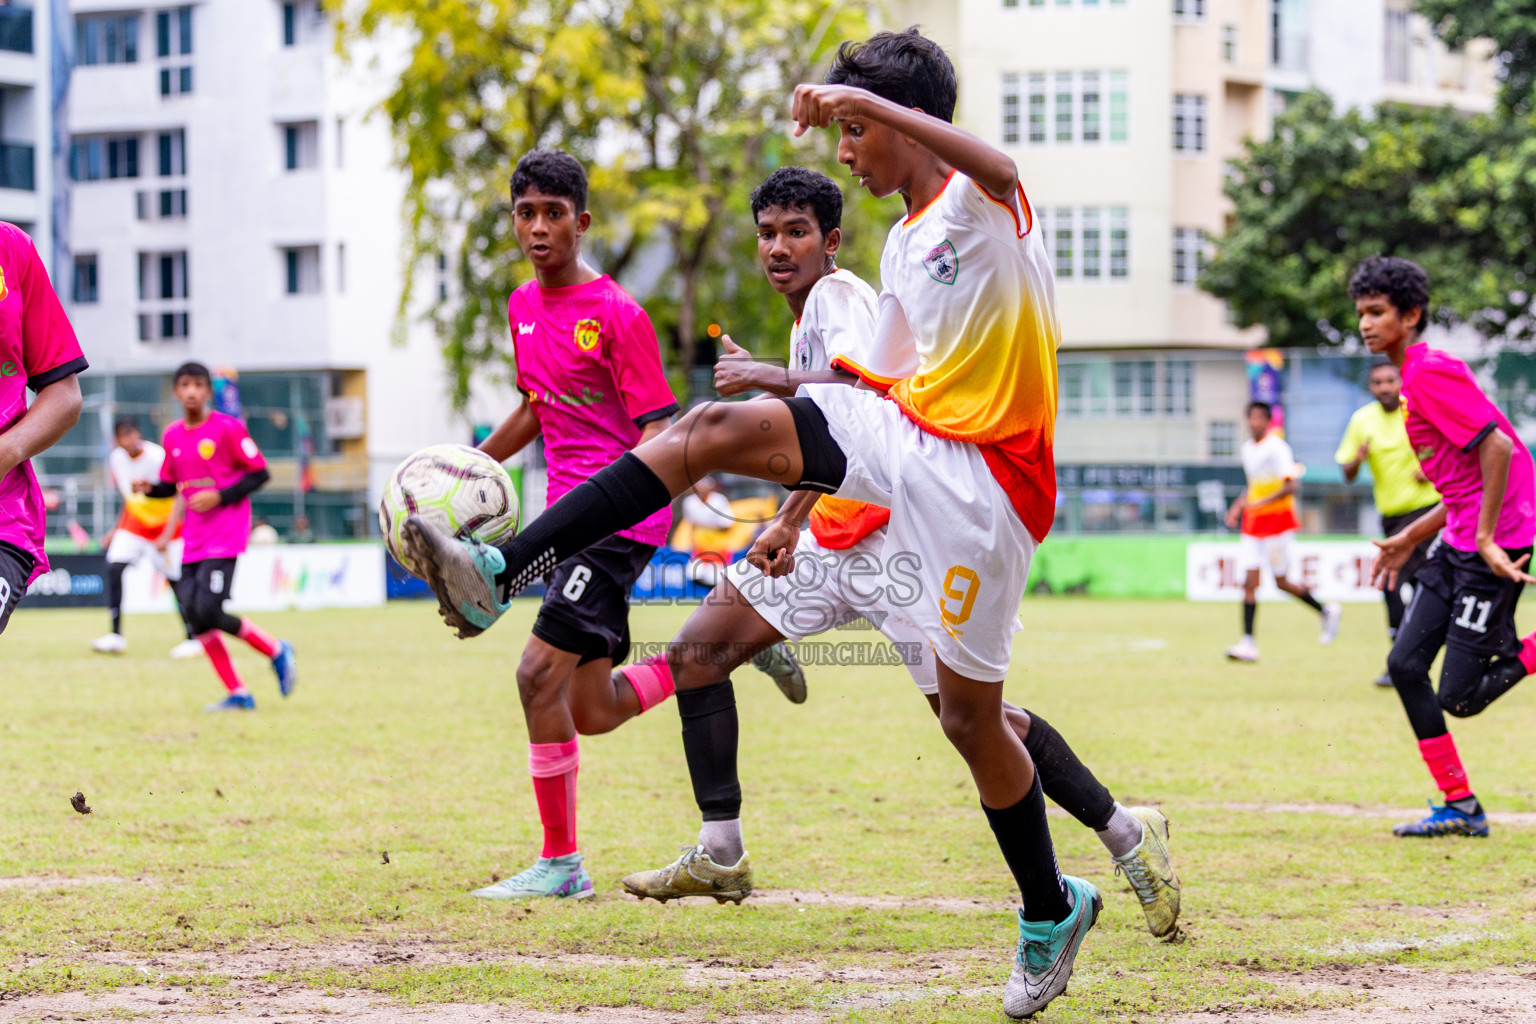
x=461, y=490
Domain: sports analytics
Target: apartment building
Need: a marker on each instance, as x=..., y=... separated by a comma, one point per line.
x=231, y=201
x=1123, y=116
x=26, y=123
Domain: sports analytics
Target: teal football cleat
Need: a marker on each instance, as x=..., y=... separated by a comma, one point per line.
x=234, y=702
x=284, y=665
x=550, y=877
x=1445, y=821
x=462, y=573
x=1047, y=951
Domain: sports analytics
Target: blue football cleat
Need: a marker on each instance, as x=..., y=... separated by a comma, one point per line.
x=284, y=665
x=1445, y=821
x=234, y=702
x=553, y=877
x=461, y=572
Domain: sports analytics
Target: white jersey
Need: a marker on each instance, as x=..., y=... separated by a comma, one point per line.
x=126, y=469
x=838, y=321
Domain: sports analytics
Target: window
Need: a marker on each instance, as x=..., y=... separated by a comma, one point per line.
x=163, y=275
x=1229, y=43
x=1063, y=242
x=1189, y=10
x=1135, y=388
x=104, y=156
x=1221, y=440
x=1036, y=108
x=1119, y=106
x=1090, y=106
x=301, y=22
x=173, y=32
x=290, y=24
x=107, y=39
x=1089, y=243
x=1188, y=123
x=1010, y=109
x=340, y=125
x=341, y=266
x=1092, y=244
x=166, y=204
x=173, y=153
x=1064, y=107
x=301, y=270
x=175, y=81
x=442, y=277
x=169, y=326
x=83, y=288
x=1397, y=64
x=301, y=146
x=1178, y=389
x=1191, y=248
x=1088, y=4
x=1119, y=242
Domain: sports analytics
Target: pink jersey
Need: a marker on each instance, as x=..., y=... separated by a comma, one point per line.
x=37, y=348
x=1448, y=416
x=588, y=362
x=216, y=453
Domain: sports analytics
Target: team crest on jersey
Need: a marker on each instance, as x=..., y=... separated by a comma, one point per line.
x=587, y=333
x=3, y=290
x=942, y=264
x=1425, y=453
x=205, y=448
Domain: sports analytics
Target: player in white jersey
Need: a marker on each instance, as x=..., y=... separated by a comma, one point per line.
x=840, y=576
x=146, y=531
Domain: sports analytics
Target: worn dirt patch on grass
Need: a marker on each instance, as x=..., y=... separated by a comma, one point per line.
x=59, y=882
x=808, y=899
x=1518, y=819
x=1397, y=995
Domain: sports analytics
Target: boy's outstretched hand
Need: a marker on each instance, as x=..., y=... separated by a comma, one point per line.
x=816, y=106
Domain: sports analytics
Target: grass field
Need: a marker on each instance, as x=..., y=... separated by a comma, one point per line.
x=233, y=866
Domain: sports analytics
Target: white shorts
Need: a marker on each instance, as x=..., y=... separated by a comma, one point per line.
x=1273, y=553
x=834, y=588
x=950, y=521
x=130, y=549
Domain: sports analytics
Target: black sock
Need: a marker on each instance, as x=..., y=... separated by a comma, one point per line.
x=1025, y=839
x=615, y=498
x=1467, y=805
x=115, y=572
x=1250, y=609
x=1306, y=598
x=709, y=743
x=1065, y=779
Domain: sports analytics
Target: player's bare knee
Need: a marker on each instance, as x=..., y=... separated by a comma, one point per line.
x=590, y=721
x=964, y=728
x=537, y=684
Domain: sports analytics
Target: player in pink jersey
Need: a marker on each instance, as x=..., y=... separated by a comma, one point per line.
x=1465, y=593
x=38, y=350
x=589, y=368
x=217, y=466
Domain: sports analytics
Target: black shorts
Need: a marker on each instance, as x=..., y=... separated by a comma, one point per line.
x=210, y=576
x=1482, y=604
x=15, y=567
x=1393, y=525
x=586, y=600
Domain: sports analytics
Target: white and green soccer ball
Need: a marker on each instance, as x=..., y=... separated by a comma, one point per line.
x=460, y=490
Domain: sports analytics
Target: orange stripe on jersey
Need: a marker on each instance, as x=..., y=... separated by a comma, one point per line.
x=915, y=214
x=872, y=379
x=1023, y=205
x=840, y=523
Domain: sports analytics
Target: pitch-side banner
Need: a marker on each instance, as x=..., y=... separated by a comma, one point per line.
x=280, y=577
x=1335, y=570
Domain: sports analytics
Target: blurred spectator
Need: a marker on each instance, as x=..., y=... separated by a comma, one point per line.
x=708, y=511
x=301, y=533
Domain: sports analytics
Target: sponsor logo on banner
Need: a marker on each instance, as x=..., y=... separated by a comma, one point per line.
x=1333, y=570
x=278, y=578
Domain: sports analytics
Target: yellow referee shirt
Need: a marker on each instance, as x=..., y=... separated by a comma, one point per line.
x=1394, y=468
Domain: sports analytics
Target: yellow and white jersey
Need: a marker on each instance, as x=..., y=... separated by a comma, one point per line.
x=838, y=320
x=968, y=333
x=142, y=516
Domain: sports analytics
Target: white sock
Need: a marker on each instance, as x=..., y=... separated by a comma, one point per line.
x=722, y=841
x=1122, y=834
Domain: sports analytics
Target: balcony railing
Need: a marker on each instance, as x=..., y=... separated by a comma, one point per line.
x=1290, y=51
x=16, y=166
x=16, y=29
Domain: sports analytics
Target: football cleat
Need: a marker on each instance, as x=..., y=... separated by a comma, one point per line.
x=1149, y=869
x=187, y=649
x=234, y=702
x=287, y=671
x=1385, y=680
x=1445, y=821
x=1332, y=613
x=779, y=664
x=116, y=643
x=694, y=874
x=462, y=573
x=1246, y=649
x=550, y=877
x=1047, y=951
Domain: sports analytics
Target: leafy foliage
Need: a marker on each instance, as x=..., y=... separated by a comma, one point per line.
x=1512, y=23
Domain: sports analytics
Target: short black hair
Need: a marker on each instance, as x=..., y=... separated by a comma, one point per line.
x=1402, y=282
x=904, y=67
x=553, y=172
x=1383, y=364
x=795, y=188
x=192, y=370
x=1264, y=407
x=124, y=424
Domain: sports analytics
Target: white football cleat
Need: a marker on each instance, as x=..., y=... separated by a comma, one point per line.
x=112, y=643
x=1332, y=613
x=1246, y=649
x=187, y=649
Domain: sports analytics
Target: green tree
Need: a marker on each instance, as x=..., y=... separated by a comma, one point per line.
x=1510, y=23
x=678, y=110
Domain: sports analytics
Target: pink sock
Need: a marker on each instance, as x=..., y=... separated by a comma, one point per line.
x=1445, y=765
x=258, y=638
x=651, y=679
x=553, y=767
x=213, y=646
x=1528, y=654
